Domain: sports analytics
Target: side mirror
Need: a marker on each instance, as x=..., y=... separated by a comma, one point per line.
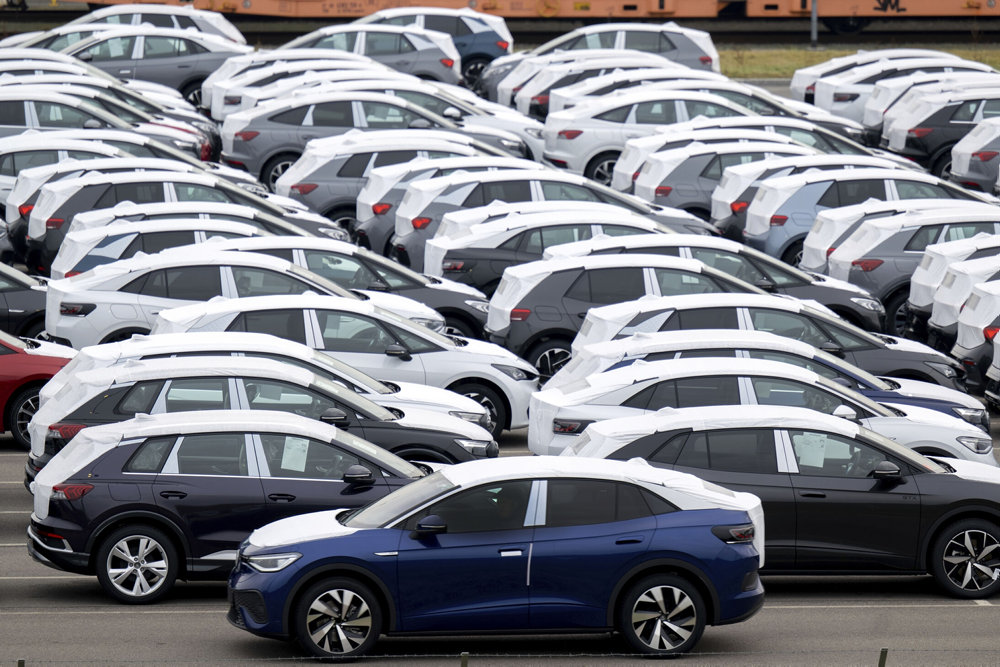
x=358, y=475
x=92, y=124
x=378, y=286
x=431, y=524
x=398, y=351
x=832, y=348
x=85, y=57
x=886, y=470
x=335, y=417
x=843, y=382
x=452, y=113
x=845, y=412
x=765, y=284
x=420, y=124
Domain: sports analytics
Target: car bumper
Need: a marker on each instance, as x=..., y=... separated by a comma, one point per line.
x=60, y=557
x=976, y=363
x=942, y=338
x=916, y=322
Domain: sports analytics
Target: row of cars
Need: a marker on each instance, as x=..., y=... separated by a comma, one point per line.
x=224, y=344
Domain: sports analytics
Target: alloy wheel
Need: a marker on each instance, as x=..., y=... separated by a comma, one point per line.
x=22, y=416
x=339, y=621
x=137, y=565
x=486, y=402
x=604, y=171
x=664, y=617
x=971, y=560
x=551, y=360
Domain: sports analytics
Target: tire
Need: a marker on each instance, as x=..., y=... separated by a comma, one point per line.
x=413, y=454
x=151, y=572
x=895, y=313
x=965, y=558
x=662, y=615
x=793, y=254
x=19, y=412
x=456, y=326
x=550, y=356
x=700, y=213
x=602, y=167
x=496, y=409
x=337, y=618
x=344, y=217
x=33, y=329
x=472, y=71
x=192, y=93
x=275, y=167
x=942, y=166
x=123, y=334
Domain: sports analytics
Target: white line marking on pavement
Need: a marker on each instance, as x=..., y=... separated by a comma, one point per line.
x=983, y=603
x=21, y=483
x=13, y=544
x=15, y=512
x=957, y=603
x=131, y=612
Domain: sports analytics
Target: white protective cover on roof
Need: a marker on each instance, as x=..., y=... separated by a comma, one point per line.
x=805, y=76
x=910, y=112
x=956, y=287
x=937, y=258
x=986, y=132
x=866, y=238
x=887, y=91
x=603, y=241
x=981, y=309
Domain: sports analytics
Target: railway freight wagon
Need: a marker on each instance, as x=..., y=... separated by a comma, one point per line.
x=838, y=15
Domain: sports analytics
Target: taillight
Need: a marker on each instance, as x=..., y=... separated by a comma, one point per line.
x=811, y=88
x=985, y=156
x=663, y=190
x=70, y=274
x=778, y=220
x=867, y=265
x=447, y=62
x=516, y=89
x=304, y=188
x=990, y=333
x=569, y=134
x=232, y=99
x=420, y=223
x=54, y=223
x=705, y=60
x=635, y=175
x=845, y=97
x=570, y=426
x=246, y=135
x=738, y=206
x=503, y=45
x=540, y=99
x=75, y=309
x=70, y=491
x=205, y=152
x=452, y=265
x=741, y=534
x=381, y=208
x=24, y=210
x=918, y=132
x=829, y=251
x=519, y=314
x=66, y=431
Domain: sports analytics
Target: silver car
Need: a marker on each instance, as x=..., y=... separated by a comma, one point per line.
x=164, y=16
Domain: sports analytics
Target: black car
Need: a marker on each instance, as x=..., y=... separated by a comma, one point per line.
x=539, y=307
x=839, y=499
x=22, y=303
x=150, y=500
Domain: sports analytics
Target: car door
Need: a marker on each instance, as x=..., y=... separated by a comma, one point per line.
x=600, y=287
x=742, y=459
x=209, y=486
x=13, y=118
x=114, y=55
x=289, y=324
x=173, y=287
x=846, y=519
x=159, y=60
x=390, y=48
x=363, y=342
x=300, y=475
x=608, y=521
x=473, y=576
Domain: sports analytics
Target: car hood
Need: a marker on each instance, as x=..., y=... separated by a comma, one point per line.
x=48, y=349
x=912, y=346
x=926, y=416
x=301, y=528
x=973, y=471
x=921, y=389
x=447, y=285
x=427, y=420
x=836, y=283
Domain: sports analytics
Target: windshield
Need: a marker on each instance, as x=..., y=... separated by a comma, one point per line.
x=16, y=343
x=384, y=266
x=837, y=363
x=355, y=400
x=916, y=460
x=383, y=457
x=867, y=403
x=328, y=285
x=384, y=511
x=340, y=369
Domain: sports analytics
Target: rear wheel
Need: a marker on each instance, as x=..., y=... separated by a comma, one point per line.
x=965, y=559
x=793, y=254
x=662, y=615
x=456, y=326
x=123, y=334
x=33, y=329
x=192, y=93
x=338, y=618
x=275, y=167
x=550, y=356
x=895, y=314
x=602, y=167
x=942, y=166
x=344, y=217
x=472, y=71
x=19, y=413
x=137, y=564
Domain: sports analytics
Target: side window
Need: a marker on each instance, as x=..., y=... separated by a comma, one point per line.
x=150, y=456
x=12, y=113
x=583, y=502
x=991, y=108
x=662, y=112
x=621, y=230
x=643, y=40
x=801, y=362
x=113, y=48
x=673, y=282
x=53, y=114
x=731, y=450
x=382, y=43
x=302, y=458
x=546, y=237
x=966, y=111
x=967, y=230
x=668, y=452
x=597, y=40
x=828, y=455
x=615, y=115
x=139, y=398
x=758, y=106
x=696, y=392
x=557, y=191
x=187, y=394
x=830, y=198
x=159, y=47
x=213, y=454
x=281, y=323
x=857, y=191
x=778, y=391
x=923, y=237
x=263, y=282
x=709, y=110
x=729, y=262
x=28, y=159
x=608, y=285
x=448, y=24
x=193, y=192
x=920, y=190
x=790, y=325
x=412, y=342
x=158, y=241
x=333, y=114
x=341, y=269
x=355, y=166
x=346, y=332
x=341, y=41
x=158, y=20
x=393, y=157
x=138, y=193
x=498, y=506
x=506, y=191
x=382, y=115
x=709, y=318
x=264, y=394
x=293, y=116
x=193, y=283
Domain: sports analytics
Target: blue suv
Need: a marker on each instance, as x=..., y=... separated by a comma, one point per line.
x=513, y=544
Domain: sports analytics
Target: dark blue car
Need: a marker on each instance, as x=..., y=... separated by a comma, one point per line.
x=515, y=544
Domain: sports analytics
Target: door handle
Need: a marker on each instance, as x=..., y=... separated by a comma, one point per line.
x=581, y=315
x=173, y=494
x=124, y=71
x=812, y=494
x=510, y=552
x=629, y=540
x=281, y=497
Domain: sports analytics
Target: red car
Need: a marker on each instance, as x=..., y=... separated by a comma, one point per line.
x=24, y=367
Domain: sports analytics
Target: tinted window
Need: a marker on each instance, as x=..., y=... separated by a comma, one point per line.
x=828, y=455
x=540, y=239
x=729, y=262
x=581, y=502
x=385, y=43
x=346, y=332
x=615, y=115
x=114, y=48
x=158, y=241
x=647, y=40
x=709, y=318
x=966, y=111
x=53, y=114
x=554, y=190
x=923, y=237
x=498, y=506
x=341, y=41
x=381, y=115
x=332, y=114
x=292, y=456
x=292, y=116
x=193, y=192
x=12, y=113
x=393, y=157
x=186, y=394
x=150, y=455
x=355, y=166
x=448, y=24
x=674, y=282
x=790, y=325
x=597, y=40
x=504, y=191
x=264, y=394
x=193, y=283
x=341, y=269
x=608, y=285
x=160, y=47
x=282, y=323
x=855, y=192
x=778, y=391
x=656, y=113
x=262, y=282
x=709, y=110
x=139, y=398
x=213, y=454
x=736, y=450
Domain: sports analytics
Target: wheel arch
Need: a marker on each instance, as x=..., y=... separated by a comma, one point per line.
x=141, y=518
x=984, y=512
x=30, y=322
x=545, y=336
x=28, y=384
x=478, y=379
x=449, y=311
x=361, y=574
x=116, y=335
x=673, y=566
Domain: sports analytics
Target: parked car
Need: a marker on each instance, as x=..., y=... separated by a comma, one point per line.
x=22, y=303
x=978, y=325
x=590, y=89
x=812, y=323
x=380, y=343
x=27, y=366
x=951, y=296
x=269, y=465
x=559, y=416
x=164, y=16
x=924, y=521
x=478, y=505
x=974, y=161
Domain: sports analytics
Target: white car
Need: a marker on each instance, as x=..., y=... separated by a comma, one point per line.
x=974, y=162
x=593, y=88
x=588, y=138
x=559, y=416
x=381, y=344
x=114, y=301
x=182, y=17
x=25, y=151
x=804, y=79
x=954, y=291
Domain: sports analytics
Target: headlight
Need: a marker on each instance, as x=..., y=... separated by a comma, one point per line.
x=183, y=145
x=339, y=235
x=534, y=131
x=474, y=417
x=868, y=304
x=943, y=368
x=478, y=304
x=515, y=373
x=512, y=144
x=433, y=325
x=978, y=445
x=271, y=562
x=975, y=416
x=474, y=447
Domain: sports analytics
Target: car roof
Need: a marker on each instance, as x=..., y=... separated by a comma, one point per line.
x=537, y=270
x=357, y=141
x=194, y=341
x=190, y=314
x=120, y=228
x=710, y=300
x=137, y=370
x=696, y=339
x=664, y=369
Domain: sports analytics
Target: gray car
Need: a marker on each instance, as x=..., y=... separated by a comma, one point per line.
x=975, y=159
x=179, y=59
x=428, y=54
x=426, y=202
x=184, y=17
x=266, y=139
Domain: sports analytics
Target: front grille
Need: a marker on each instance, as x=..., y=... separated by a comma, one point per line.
x=252, y=602
x=234, y=617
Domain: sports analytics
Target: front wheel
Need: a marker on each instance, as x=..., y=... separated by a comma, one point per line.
x=192, y=93
x=965, y=559
x=662, y=615
x=137, y=564
x=472, y=71
x=22, y=408
x=496, y=409
x=338, y=618
x=456, y=326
